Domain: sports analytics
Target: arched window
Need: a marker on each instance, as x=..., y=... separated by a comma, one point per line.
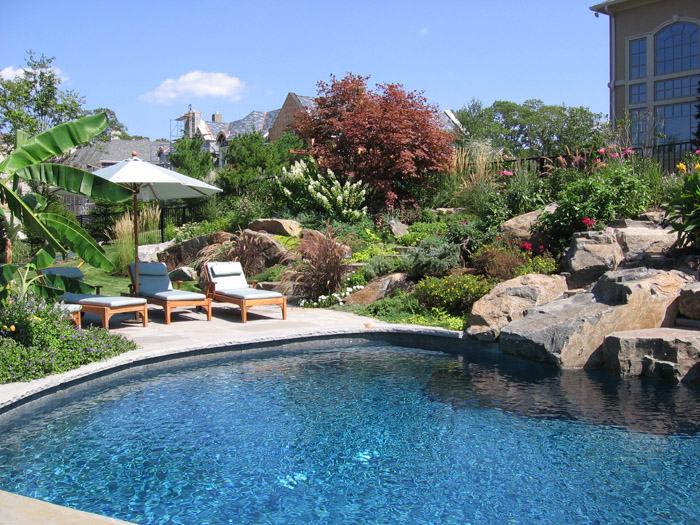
x=677, y=48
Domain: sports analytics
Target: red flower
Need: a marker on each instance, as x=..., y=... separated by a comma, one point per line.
x=588, y=222
x=506, y=173
x=601, y=151
x=527, y=246
x=540, y=248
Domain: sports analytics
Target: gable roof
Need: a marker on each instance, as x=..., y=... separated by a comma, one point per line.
x=101, y=154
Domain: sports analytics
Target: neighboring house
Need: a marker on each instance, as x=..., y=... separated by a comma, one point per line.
x=103, y=154
x=654, y=67
x=293, y=105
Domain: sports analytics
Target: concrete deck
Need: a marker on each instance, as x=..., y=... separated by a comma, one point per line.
x=188, y=333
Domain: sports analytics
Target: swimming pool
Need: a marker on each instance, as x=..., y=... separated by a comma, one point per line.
x=368, y=434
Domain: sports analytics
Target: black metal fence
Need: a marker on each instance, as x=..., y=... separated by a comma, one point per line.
x=668, y=155
x=99, y=224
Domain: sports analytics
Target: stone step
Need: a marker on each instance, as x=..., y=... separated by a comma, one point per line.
x=684, y=322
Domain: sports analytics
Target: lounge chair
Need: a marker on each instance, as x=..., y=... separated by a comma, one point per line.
x=155, y=286
x=106, y=307
x=70, y=277
x=226, y=283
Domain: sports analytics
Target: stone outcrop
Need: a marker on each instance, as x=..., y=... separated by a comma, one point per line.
x=590, y=255
x=149, y=252
x=184, y=253
x=644, y=239
x=183, y=273
x=285, y=227
x=519, y=228
x=670, y=354
x=221, y=237
x=689, y=301
x=398, y=228
x=380, y=288
x=510, y=300
x=570, y=332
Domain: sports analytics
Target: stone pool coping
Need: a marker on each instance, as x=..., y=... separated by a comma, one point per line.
x=16, y=397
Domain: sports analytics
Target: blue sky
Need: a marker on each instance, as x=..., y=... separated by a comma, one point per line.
x=148, y=60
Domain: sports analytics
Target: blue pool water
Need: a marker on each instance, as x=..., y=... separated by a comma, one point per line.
x=373, y=434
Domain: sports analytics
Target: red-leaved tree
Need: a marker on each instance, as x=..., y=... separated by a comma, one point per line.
x=389, y=138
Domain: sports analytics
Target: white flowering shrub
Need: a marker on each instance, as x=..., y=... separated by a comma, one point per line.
x=305, y=187
x=325, y=301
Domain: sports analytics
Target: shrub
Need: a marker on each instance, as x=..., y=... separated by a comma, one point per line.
x=612, y=192
x=372, y=250
x=433, y=257
x=683, y=212
x=471, y=236
x=543, y=264
x=323, y=265
x=403, y=307
x=485, y=201
x=271, y=274
x=247, y=249
x=523, y=191
x=499, y=262
x=122, y=235
x=383, y=265
x=455, y=293
x=334, y=299
x=306, y=187
x=355, y=279
x=420, y=230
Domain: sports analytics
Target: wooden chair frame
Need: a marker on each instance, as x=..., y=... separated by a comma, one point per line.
x=243, y=304
x=169, y=306
x=106, y=312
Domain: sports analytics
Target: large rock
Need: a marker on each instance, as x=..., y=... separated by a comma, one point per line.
x=183, y=273
x=380, y=288
x=670, y=354
x=570, y=332
x=519, y=228
x=590, y=255
x=149, y=252
x=510, y=300
x=638, y=242
x=221, y=237
x=398, y=228
x=286, y=227
x=689, y=301
x=183, y=254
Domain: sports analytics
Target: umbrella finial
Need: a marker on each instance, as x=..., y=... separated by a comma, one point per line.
x=134, y=153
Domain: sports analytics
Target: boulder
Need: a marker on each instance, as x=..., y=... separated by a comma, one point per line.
x=285, y=227
x=670, y=354
x=519, y=228
x=510, y=300
x=183, y=273
x=184, y=253
x=380, y=288
x=689, y=301
x=654, y=216
x=149, y=252
x=221, y=237
x=308, y=234
x=638, y=242
x=209, y=253
x=590, y=255
x=570, y=332
x=398, y=228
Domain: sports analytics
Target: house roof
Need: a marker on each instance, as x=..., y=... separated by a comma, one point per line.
x=100, y=154
x=612, y=6
x=304, y=101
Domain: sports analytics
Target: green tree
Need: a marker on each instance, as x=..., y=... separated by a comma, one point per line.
x=33, y=101
x=534, y=128
x=249, y=158
x=191, y=158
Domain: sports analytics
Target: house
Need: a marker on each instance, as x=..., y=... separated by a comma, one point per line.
x=293, y=105
x=654, y=67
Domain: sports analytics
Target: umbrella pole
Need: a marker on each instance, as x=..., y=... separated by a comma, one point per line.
x=135, y=204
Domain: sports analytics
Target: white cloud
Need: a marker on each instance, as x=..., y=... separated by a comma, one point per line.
x=11, y=72
x=423, y=31
x=196, y=84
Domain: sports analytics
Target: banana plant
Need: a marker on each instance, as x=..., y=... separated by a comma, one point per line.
x=30, y=161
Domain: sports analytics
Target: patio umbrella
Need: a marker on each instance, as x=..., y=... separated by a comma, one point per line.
x=148, y=182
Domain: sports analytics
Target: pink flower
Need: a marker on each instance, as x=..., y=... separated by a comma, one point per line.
x=588, y=222
x=506, y=173
x=627, y=152
x=601, y=151
x=615, y=155
x=540, y=248
x=527, y=246
x=697, y=151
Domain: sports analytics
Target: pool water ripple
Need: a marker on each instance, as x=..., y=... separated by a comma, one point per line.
x=366, y=435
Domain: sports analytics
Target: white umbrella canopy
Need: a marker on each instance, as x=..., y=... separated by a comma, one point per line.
x=149, y=182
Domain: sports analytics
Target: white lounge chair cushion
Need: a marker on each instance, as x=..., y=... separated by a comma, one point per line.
x=227, y=275
x=178, y=295
x=249, y=293
x=153, y=278
x=100, y=300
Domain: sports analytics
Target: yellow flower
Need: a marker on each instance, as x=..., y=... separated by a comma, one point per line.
x=697, y=167
x=12, y=328
x=4, y=328
x=682, y=167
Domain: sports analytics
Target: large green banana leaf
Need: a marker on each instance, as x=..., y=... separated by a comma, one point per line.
x=54, y=142
x=77, y=239
x=74, y=180
x=25, y=214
